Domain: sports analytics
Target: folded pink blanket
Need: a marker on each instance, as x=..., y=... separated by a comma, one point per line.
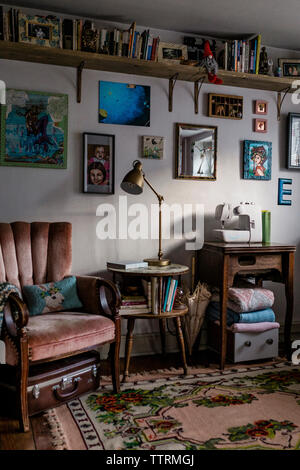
x=253, y=327
x=242, y=300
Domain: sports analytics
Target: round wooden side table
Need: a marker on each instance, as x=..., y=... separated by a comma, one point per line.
x=176, y=315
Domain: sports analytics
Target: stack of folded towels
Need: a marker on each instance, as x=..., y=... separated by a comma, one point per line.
x=249, y=309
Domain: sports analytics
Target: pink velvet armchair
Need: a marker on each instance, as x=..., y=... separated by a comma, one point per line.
x=40, y=252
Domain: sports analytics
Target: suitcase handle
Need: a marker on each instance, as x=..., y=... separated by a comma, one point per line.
x=63, y=395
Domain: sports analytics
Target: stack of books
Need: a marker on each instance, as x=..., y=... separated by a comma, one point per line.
x=168, y=294
x=132, y=304
x=243, y=55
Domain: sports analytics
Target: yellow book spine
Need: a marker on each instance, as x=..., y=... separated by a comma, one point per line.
x=258, y=53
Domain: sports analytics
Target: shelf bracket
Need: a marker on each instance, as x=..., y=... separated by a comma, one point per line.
x=79, y=80
x=172, y=82
x=197, y=87
x=280, y=100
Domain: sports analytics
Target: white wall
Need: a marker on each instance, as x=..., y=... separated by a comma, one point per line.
x=55, y=195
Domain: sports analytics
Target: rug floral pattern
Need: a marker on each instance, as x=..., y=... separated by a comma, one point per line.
x=247, y=409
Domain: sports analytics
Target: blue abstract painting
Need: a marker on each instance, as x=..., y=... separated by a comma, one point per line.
x=124, y=103
x=34, y=127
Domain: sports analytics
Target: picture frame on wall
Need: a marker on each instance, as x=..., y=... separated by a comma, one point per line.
x=98, y=163
x=196, y=152
x=260, y=125
x=257, y=160
x=34, y=129
x=261, y=107
x=293, y=150
x=153, y=147
x=124, y=104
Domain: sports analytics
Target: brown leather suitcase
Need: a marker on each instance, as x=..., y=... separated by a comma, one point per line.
x=55, y=383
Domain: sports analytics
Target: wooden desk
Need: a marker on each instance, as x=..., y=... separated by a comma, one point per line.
x=218, y=263
x=176, y=315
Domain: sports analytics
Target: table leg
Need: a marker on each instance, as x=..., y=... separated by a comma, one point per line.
x=289, y=294
x=128, y=347
x=162, y=327
x=223, y=305
x=181, y=344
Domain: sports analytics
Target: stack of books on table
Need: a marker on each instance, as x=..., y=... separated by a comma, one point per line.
x=132, y=304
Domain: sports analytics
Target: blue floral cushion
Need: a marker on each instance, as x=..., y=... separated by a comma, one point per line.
x=52, y=297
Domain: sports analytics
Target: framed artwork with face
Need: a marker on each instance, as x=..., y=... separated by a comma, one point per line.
x=98, y=163
x=257, y=160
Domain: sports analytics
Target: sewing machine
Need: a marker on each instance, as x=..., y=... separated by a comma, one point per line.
x=249, y=223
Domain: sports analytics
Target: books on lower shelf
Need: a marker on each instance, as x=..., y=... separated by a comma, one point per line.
x=134, y=304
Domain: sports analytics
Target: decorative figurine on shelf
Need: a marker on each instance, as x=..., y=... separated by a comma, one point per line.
x=263, y=62
x=179, y=302
x=270, y=67
x=278, y=72
x=89, y=38
x=211, y=65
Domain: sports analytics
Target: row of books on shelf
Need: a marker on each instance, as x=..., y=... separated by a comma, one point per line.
x=76, y=34
x=242, y=55
x=149, y=302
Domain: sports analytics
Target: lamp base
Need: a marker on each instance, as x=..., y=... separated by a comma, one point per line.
x=157, y=262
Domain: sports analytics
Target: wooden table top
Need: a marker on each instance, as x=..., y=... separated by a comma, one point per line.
x=154, y=271
x=250, y=247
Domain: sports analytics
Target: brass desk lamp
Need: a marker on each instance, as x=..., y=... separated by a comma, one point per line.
x=133, y=183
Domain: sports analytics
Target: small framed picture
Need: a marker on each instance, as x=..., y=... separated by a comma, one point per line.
x=293, y=151
x=257, y=160
x=39, y=30
x=153, y=147
x=260, y=125
x=173, y=53
x=98, y=163
x=261, y=107
x=290, y=67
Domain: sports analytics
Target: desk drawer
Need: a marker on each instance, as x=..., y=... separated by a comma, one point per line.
x=243, y=347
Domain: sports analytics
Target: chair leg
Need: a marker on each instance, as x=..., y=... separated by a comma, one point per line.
x=22, y=380
x=115, y=365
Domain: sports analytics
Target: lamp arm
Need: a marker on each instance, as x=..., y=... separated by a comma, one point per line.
x=160, y=199
x=159, y=196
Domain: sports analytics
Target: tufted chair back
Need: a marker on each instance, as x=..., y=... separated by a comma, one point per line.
x=35, y=253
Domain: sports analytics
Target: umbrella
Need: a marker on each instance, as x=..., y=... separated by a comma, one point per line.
x=197, y=303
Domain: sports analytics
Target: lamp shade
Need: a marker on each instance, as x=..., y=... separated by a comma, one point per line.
x=133, y=182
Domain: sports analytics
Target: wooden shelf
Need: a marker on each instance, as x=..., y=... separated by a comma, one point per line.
x=67, y=58
x=88, y=60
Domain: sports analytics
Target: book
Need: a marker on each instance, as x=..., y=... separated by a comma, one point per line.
x=1, y=24
x=127, y=265
x=154, y=295
x=167, y=293
x=174, y=295
x=132, y=311
x=67, y=34
x=258, y=53
x=170, y=295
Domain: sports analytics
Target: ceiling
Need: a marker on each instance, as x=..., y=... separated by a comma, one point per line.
x=277, y=20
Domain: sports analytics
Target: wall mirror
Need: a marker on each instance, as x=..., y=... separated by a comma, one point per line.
x=196, y=152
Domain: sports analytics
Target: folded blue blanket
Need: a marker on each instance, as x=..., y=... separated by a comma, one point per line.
x=213, y=314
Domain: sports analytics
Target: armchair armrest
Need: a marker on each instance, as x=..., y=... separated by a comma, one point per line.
x=93, y=292
x=15, y=314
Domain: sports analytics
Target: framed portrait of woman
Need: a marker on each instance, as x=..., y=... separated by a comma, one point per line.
x=98, y=163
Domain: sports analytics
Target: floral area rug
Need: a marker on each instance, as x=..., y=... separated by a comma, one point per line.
x=246, y=408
